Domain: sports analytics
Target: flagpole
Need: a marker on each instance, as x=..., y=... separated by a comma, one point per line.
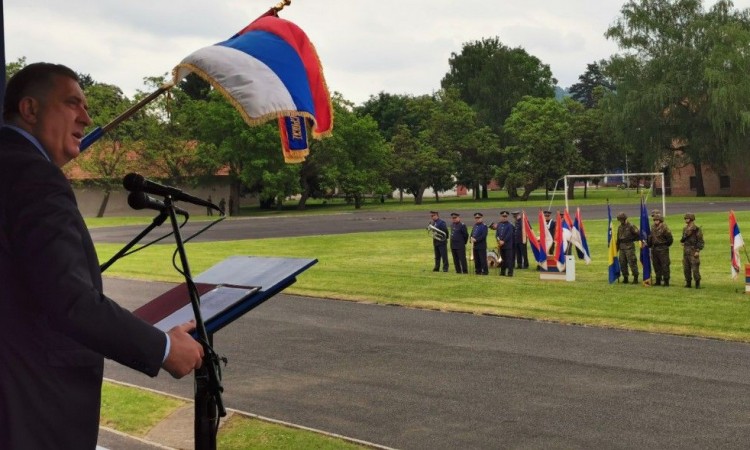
x=98, y=132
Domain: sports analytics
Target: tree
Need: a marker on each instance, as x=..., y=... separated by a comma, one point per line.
x=591, y=86
x=682, y=85
x=492, y=78
x=542, y=147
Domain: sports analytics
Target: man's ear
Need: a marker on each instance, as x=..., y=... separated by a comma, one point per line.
x=28, y=108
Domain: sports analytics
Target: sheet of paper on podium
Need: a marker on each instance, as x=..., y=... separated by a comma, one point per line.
x=173, y=307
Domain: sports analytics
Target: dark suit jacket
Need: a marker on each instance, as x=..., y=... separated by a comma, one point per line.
x=56, y=326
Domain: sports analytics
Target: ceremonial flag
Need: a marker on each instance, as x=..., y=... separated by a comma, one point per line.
x=645, y=251
x=269, y=70
x=561, y=244
x=736, y=243
x=612, y=261
x=578, y=238
x=537, y=248
x=567, y=227
x=545, y=237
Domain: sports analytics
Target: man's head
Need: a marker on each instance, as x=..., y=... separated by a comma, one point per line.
x=478, y=217
x=504, y=216
x=516, y=214
x=46, y=101
x=547, y=215
x=657, y=217
x=622, y=217
x=434, y=215
x=689, y=217
x=456, y=217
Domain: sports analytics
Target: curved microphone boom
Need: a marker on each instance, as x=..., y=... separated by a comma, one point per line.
x=141, y=200
x=135, y=182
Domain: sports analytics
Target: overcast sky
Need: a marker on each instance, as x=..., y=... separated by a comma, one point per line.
x=365, y=46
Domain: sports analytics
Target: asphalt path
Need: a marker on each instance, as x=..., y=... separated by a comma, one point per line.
x=354, y=222
x=417, y=379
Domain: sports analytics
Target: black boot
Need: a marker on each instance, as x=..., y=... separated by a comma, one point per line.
x=666, y=282
x=658, y=281
x=635, y=279
x=688, y=284
x=624, y=280
x=697, y=284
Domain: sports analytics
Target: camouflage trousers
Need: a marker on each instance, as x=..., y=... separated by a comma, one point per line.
x=660, y=259
x=691, y=265
x=627, y=258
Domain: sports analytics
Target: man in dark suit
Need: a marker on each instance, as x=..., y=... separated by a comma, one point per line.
x=56, y=325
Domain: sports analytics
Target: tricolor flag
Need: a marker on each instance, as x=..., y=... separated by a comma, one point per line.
x=736, y=243
x=645, y=251
x=545, y=237
x=613, y=262
x=561, y=244
x=537, y=248
x=269, y=70
x=567, y=224
x=578, y=238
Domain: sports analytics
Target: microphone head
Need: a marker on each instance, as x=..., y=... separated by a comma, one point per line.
x=139, y=200
x=133, y=182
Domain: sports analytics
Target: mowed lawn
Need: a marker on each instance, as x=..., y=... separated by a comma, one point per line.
x=395, y=267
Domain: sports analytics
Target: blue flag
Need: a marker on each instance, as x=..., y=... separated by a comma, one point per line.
x=645, y=251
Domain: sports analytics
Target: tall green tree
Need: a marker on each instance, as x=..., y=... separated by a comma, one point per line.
x=492, y=78
x=682, y=85
x=591, y=86
x=541, y=150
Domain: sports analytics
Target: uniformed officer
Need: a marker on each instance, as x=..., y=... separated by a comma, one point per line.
x=520, y=246
x=692, y=244
x=659, y=242
x=459, y=238
x=440, y=246
x=505, y=243
x=550, y=223
x=479, y=244
x=627, y=236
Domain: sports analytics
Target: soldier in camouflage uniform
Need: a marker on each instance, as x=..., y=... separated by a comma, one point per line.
x=627, y=235
x=659, y=241
x=692, y=242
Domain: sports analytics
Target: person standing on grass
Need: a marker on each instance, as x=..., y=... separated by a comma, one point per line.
x=692, y=244
x=659, y=242
x=479, y=244
x=459, y=238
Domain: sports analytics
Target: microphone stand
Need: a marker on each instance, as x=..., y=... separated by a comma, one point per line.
x=158, y=221
x=208, y=402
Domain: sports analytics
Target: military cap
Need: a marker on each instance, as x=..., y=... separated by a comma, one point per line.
x=455, y=214
x=655, y=212
x=478, y=215
x=547, y=211
x=657, y=216
x=621, y=216
x=690, y=216
x=433, y=212
x=504, y=213
x=516, y=212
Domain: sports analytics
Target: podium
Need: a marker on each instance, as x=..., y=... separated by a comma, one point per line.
x=227, y=291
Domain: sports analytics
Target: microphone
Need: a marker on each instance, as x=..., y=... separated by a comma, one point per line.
x=135, y=182
x=140, y=200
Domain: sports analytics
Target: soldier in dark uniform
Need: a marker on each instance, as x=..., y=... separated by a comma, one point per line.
x=627, y=236
x=520, y=247
x=459, y=238
x=440, y=246
x=479, y=245
x=505, y=242
x=659, y=241
x=692, y=242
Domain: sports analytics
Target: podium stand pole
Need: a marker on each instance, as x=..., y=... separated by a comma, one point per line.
x=208, y=403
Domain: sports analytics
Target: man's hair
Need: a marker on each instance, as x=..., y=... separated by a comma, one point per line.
x=33, y=80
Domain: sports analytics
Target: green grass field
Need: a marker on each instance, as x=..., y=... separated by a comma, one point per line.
x=395, y=268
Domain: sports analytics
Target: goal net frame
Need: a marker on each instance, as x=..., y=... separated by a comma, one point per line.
x=625, y=176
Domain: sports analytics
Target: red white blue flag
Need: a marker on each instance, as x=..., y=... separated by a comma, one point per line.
x=561, y=245
x=578, y=238
x=269, y=70
x=736, y=243
x=537, y=248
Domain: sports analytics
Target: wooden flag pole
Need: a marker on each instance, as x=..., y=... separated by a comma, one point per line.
x=98, y=132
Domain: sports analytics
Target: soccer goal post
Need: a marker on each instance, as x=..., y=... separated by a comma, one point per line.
x=625, y=176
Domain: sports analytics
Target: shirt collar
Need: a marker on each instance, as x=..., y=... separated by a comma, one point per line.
x=31, y=138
